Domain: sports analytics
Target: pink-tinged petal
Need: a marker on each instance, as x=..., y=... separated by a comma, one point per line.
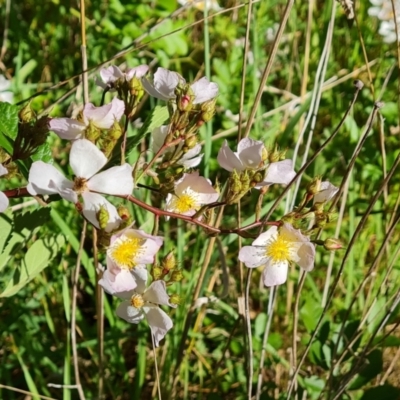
x=86, y=159
x=3, y=170
x=159, y=321
x=204, y=90
x=151, y=90
x=280, y=172
x=228, y=160
x=104, y=117
x=250, y=152
x=266, y=237
x=110, y=74
x=3, y=202
x=129, y=313
x=67, y=128
x=137, y=72
x=46, y=179
x=166, y=81
x=116, y=180
x=156, y=293
x=120, y=284
x=275, y=274
x=253, y=256
x=292, y=235
x=306, y=254
x=326, y=193
x=92, y=202
x=140, y=274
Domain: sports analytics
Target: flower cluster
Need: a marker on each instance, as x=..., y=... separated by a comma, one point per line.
x=132, y=271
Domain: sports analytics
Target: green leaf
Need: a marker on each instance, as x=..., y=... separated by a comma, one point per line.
x=373, y=366
x=36, y=259
x=384, y=392
x=43, y=153
x=32, y=219
x=9, y=120
x=5, y=230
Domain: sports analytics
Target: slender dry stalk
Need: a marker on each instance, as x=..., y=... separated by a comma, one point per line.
x=75, y=282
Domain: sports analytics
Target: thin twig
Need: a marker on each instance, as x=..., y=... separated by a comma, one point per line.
x=73, y=312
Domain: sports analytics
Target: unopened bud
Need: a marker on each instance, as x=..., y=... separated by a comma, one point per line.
x=169, y=261
x=26, y=114
x=274, y=156
x=191, y=141
x=208, y=110
x=175, y=299
x=92, y=132
x=333, y=244
x=115, y=131
x=124, y=213
x=314, y=186
x=176, y=275
x=157, y=273
x=264, y=154
x=103, y=217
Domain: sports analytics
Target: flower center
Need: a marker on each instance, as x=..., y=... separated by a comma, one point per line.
x=185, y=202
x=125, y=250
x=80, y=185
x=278, y=249
x=137, y=301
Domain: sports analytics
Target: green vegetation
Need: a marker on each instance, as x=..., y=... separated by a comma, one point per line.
x=331, y=333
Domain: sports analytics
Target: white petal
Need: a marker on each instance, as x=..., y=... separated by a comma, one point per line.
x=228, y=160
x=166, y=81
x=120, y=284
x=140, y=274
x=193, y=162
x=137, y=72
x=156, y=293
x=266, y=237
x=275, y=274
x=92, y=202
x=326, y=193
x=7, y=97
x=3, y=202
x=204, y=90
x=4, y=83
x=129, y=313
x=159, y=321
x=253, y=256
x=67, y=128
x=280, y=172
x=46, y=179
x=306, y=254
x=86, y=159
x=104, y=117
x=250, y=152
x=116, y=180
x=110, y=74
x=3, y=170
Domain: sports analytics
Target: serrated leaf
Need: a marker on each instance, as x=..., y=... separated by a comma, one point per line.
x=43, y=153
x=36, y=259
x=5, y=230
x=9, y=120
x=32, y=219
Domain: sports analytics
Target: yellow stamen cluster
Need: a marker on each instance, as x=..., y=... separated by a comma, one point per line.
x=125, y=250
x=278, y=249
x=137, y=301
x=184, y=203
